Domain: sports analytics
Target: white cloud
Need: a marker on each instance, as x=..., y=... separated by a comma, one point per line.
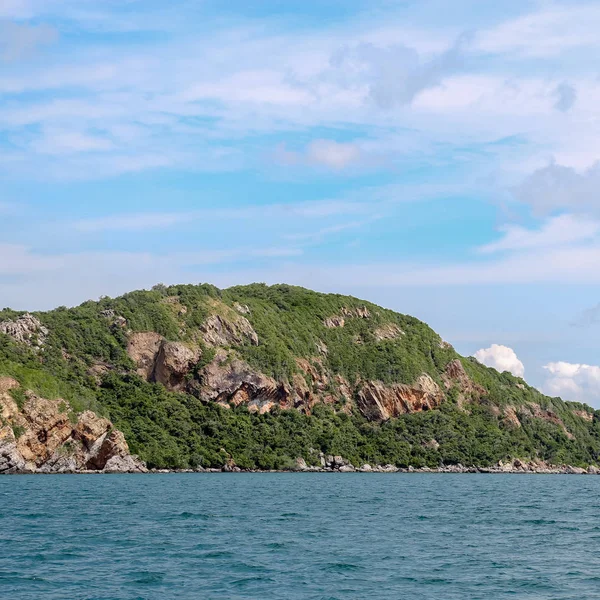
x=333, y=154
x=576, y=382
x=556, y=231
x=57, y=142
x=501, y=358
x=545, y=33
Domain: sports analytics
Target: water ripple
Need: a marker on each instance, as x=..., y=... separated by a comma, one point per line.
x=315, y=536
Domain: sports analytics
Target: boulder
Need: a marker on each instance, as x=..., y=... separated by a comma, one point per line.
x=300, y=464
x=346, y=469
x=124, y=464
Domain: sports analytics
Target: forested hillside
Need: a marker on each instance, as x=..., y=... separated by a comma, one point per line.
x=257, y=376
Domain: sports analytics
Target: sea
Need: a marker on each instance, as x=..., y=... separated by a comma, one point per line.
x=325, y=536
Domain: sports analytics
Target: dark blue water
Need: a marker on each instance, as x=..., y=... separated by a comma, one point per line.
x=292, y=536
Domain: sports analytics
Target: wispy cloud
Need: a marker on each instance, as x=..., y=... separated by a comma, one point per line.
x=556, y=231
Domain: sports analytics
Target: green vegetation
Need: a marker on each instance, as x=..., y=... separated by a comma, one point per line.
x=177, y=430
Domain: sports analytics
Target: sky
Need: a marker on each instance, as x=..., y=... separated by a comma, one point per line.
x=436, y=157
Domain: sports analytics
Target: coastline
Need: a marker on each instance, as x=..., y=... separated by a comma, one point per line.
x=513, y=468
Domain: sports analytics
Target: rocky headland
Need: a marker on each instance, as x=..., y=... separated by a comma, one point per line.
x=258, y=378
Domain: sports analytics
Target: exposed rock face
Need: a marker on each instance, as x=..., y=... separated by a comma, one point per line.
x=381, y=402
x=455, y=375
x=584, y=415
x=27, y=330
x=390, y=331
x=510, y=417
x=346, y=313
x=219, y=331
x=173, y=362
x=40, y=436
x=161, y=361
x=243, y=309
x=228, y=379
x=362, y=312
x=532, y=409
x=143, y=348
x=333, y=322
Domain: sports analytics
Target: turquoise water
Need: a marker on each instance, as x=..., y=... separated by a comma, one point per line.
x=292, y=536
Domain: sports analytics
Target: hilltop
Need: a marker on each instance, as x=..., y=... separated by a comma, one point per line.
x=258, y=376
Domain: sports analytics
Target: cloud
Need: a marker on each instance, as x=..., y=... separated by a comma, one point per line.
x=320, y=152
x=556, y=231
x=34, y=281
x=298, y=211
x=20, y=41
x=557, y=187
x=396, y=74
x=576, y=382
x=545, y=33
x=57, y=142
x=332, y=154
x=565, y=96
x=501, y=358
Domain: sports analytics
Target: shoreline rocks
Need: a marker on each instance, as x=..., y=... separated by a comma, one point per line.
x=38, y=435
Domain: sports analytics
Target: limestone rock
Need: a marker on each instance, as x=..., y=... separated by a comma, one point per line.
x=27, y=330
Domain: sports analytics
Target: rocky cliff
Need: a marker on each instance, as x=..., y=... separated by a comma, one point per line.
x=44, y=436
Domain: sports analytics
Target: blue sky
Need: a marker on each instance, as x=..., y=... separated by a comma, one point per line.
x=443, y=163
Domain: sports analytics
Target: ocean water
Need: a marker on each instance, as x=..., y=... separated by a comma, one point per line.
x=299, y=536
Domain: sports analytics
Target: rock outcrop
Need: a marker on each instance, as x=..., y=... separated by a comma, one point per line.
x=160, y=361
x=27, y=330
x=221, y=331
x=390, y=331
x=231, y=380
x=380, y=402
x=45, y=436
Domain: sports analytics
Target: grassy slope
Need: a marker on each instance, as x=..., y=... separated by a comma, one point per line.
x=177, y=430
